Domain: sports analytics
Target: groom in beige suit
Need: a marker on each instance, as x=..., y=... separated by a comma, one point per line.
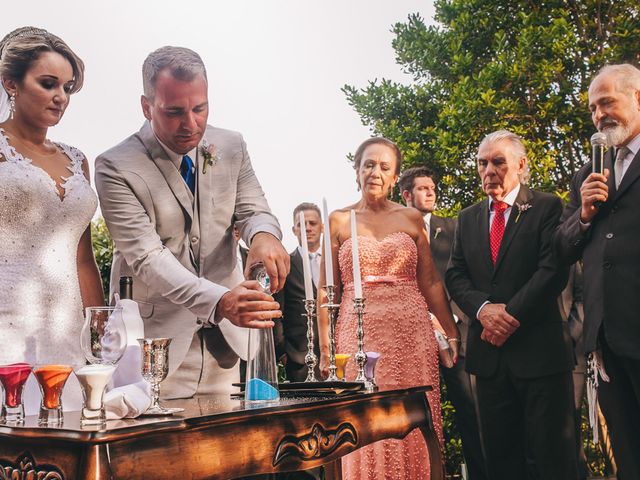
x=170, y=195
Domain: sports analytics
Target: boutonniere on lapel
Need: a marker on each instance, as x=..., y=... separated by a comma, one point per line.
x=522, y=207
x=438, y=230
x=209, y=154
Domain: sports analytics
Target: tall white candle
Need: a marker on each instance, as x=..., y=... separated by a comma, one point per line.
x=357, y=281
x=328, y=258
x=306, y=266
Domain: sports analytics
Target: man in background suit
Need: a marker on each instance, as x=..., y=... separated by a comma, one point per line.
x=571, y=306
x=601, y=225
x=291, y=329
x=170, y=195
x=418, y=187
x=503, y=275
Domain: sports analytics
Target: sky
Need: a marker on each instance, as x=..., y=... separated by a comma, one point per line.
x=275, y=70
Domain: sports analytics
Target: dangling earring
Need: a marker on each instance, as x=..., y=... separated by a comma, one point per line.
x=12, y=105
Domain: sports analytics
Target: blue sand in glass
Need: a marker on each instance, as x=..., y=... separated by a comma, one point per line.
x=260, y=390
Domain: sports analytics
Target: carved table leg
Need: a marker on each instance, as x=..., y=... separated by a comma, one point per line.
x=95, y=463
x=435, y=454
x=333, y=470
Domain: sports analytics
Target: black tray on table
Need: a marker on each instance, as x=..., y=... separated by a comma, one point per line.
x=313, y=389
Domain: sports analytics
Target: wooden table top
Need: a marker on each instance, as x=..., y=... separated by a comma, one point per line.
x=200, y=411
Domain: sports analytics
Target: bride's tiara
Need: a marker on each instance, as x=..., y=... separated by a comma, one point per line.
x=22, y=32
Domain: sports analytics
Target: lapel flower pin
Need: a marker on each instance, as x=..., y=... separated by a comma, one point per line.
x=438, y=230
x=522, y=207
x=209, y=154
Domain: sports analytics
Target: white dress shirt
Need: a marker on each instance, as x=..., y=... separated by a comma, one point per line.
x=510, y=199
x=427, y=225
x=314, y=261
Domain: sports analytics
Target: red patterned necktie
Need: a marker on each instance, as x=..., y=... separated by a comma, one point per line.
x=497, y=228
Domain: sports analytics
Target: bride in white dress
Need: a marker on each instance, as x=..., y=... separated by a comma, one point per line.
x=47, y=269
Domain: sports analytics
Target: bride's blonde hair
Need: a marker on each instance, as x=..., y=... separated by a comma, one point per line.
x=23, y=46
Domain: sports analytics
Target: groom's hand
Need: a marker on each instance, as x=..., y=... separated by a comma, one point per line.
x=267, y=249
x=247, y=306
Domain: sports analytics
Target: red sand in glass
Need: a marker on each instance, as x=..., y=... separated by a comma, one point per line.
x=13, y=378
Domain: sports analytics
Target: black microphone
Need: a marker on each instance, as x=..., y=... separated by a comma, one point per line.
x=598, y=144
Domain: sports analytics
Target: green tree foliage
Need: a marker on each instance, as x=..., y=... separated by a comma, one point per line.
x=103, y=251
x=490, y=64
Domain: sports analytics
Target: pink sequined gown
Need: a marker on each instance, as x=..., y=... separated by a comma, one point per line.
x=396, y=325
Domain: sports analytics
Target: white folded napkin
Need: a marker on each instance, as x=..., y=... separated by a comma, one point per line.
x=130, y=365
x=130, y=395
x=128, y=401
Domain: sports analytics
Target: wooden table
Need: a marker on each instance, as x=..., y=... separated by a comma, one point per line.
x=219, y=438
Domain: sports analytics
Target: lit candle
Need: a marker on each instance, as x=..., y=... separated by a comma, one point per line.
x=328, y=259
x=306, y=266
x=357, y=281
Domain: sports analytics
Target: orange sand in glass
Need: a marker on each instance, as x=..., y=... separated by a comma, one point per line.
x=52, y=379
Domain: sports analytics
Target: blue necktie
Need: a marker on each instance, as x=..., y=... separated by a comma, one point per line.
x=186, y=170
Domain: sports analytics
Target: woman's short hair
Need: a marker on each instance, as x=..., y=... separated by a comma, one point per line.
x=23, y=46
x=378, y=141
x=183, y=64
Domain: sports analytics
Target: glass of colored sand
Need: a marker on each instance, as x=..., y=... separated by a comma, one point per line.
x=341, y=363
x=51, y=379
x=94, y=380
x=13, y=378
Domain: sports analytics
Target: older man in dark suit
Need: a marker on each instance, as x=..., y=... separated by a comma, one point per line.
x=291, y=330
x=503, y=275
x=601, y=225
x=418, y=187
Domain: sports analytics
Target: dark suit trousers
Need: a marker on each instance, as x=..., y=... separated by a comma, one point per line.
x=528, y=417
x=460, y=393
x=620, y=402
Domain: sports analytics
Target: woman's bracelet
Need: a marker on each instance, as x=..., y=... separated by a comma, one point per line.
x=455, y=339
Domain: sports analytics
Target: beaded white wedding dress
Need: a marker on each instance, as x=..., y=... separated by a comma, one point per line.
x=41, y=311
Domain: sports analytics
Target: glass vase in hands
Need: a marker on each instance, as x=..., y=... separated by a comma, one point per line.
x=103, y=340
x=262, y=372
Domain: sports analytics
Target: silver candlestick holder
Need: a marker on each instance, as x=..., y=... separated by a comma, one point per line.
x=333, y=312
x=310, y=359
x=361, y=357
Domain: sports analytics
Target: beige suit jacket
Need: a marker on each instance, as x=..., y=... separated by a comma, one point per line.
x=180, y=252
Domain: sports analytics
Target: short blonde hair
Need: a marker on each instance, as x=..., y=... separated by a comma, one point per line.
x=183, y=64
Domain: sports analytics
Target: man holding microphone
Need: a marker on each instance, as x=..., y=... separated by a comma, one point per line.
x=601, y=225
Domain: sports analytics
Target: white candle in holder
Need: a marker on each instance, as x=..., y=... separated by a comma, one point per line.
x=306, y=266
x=357, y=281
x=328, y=258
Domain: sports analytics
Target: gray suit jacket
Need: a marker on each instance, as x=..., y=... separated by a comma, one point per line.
x=180, y=252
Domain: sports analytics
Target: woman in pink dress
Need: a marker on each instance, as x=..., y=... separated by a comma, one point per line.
x=399, y=278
